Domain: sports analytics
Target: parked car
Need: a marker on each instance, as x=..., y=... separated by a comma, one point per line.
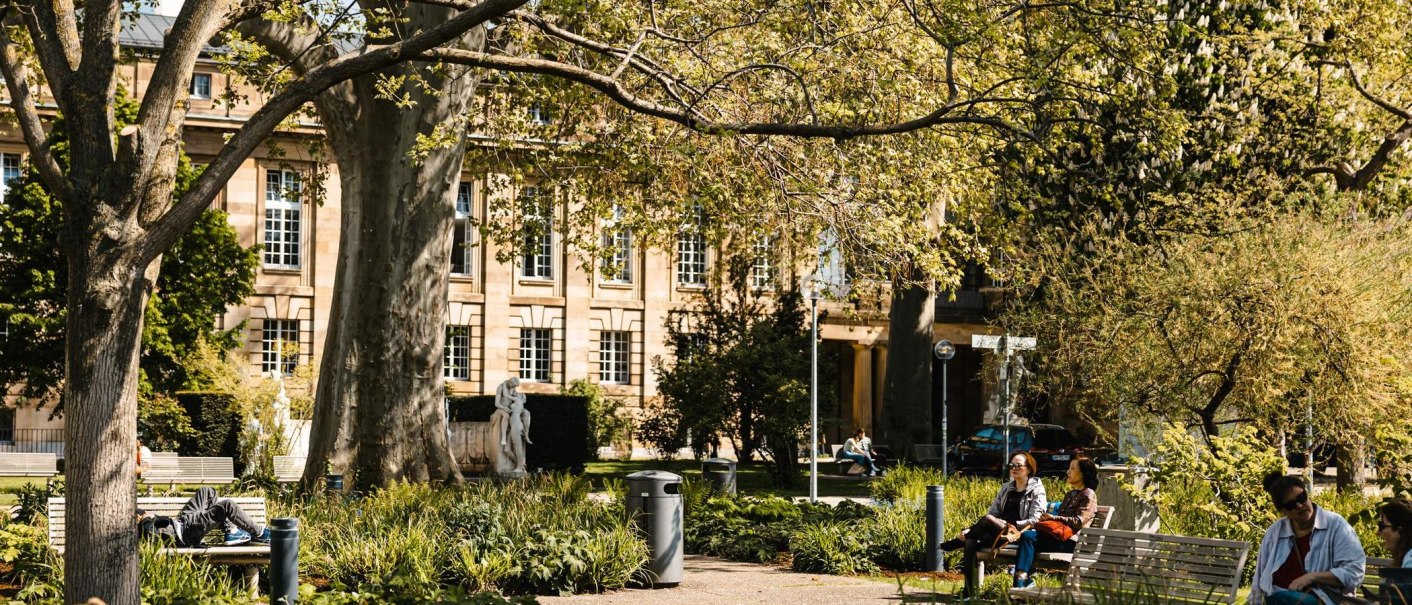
x=981, y=452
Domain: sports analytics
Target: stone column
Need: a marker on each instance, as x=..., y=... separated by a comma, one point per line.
x=879, y=385
x=862, y=389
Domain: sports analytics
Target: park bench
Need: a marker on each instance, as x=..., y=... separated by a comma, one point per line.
x=249, y=557
x=1045, y=560
x=1372, y=577
x=849, y=467
x=1110, y=563
x=28, y=465
x=189, y=470
x=289, y=469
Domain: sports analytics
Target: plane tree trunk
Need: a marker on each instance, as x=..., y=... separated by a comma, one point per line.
x=907, y=396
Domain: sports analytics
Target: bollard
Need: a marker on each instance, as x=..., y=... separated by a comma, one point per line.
x=333, y=483
x=936, y=515
x=284, y=561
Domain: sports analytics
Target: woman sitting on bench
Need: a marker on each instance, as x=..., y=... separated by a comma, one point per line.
x=1060, y=532
x=1310, y=555
x=1016, y=508
x=1395, y=528
x=858, y=449
x=202, y=513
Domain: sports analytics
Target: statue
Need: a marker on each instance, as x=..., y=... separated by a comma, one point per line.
x=509, y=425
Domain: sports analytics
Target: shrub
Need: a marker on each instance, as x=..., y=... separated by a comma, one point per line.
x=559, y=427
x=215, y=417
x=163, y=424
x=897, y=536
x=33, y=499
x=832, y=548
x=606, y=426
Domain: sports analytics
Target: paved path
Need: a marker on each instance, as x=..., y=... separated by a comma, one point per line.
x=711, y=581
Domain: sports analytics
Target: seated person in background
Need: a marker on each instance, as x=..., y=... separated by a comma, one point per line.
x=1395, y=528
x=201, y=514
x=1309, y=556
x=1060, y=532
x=858, y=449
x=144, y=459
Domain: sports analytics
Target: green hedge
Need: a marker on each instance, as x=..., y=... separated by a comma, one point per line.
x=558, y=427
x=217, y=423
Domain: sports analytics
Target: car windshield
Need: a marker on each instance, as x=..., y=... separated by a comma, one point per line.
x=994, y=437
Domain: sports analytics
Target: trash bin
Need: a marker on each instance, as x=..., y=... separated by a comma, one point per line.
x=719, y=473
x=654, y=504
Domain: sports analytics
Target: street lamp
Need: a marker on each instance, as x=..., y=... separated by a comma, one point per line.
x=811, y=291
x=944, y=351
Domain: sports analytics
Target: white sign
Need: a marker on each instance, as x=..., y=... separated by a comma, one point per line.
x=986, y=341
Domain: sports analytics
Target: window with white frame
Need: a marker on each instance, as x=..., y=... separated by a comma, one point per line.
x=617, y=240
x=457, y=362
x=691, y=251
x=279, y=346
x=762, y=264
x=283, y=232
x=537, y=208
x=615, y=357
x=9, y=172
x=535, y=354
x=200, y=86
x=462, y=236
x=539, y=115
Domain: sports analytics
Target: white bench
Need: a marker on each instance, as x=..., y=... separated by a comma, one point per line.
x=249, y=557
x=289, y=469
x=189, y=469
x=28, y=465
x=1115, y=566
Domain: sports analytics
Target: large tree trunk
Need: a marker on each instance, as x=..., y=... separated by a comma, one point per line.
x=107, y=296
x=907, y=394
x=378, y=414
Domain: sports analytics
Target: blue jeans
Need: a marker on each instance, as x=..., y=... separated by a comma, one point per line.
x=1031, y=543
x=864, y=460
x=1292, y=597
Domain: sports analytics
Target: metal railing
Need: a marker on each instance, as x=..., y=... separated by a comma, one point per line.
x=43, y=441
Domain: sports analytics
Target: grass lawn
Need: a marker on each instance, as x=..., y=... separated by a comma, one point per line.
x=9, y=486
x=751, y=480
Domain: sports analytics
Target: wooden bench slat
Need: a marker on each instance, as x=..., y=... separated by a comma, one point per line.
x=1179, y=568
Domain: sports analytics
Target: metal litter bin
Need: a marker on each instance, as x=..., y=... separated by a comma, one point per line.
x=654, y=504
x=719, y=473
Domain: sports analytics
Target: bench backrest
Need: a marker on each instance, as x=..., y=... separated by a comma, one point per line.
x=167, y=507
x=1102, y=516
x=1175, y=567
x=289, y=468
x=191, y=469
x=1373, y=574
x=29, y=464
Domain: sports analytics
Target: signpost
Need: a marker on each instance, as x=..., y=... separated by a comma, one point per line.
x=1005, y=347
x=944, y=351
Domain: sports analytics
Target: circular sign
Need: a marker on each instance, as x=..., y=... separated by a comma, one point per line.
x=944, y=350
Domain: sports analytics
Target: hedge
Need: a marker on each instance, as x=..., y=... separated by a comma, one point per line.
x=558, y=428
x=217, y=424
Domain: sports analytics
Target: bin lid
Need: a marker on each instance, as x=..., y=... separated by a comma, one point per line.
x=654, y=483
x=718, y=462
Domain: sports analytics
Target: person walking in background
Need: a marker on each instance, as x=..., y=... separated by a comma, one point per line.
x=1395, y=529
x=1060, y=532
x=1309, y=556
x=858, y=448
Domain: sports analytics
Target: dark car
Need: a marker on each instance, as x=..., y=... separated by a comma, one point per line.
x=981, y=452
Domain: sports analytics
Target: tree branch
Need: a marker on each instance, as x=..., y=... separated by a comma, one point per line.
x=951, y=113
x=31, y=127
x=53, y=29
x=260, y=125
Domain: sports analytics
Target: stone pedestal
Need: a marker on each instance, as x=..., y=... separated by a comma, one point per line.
x=1128, y=513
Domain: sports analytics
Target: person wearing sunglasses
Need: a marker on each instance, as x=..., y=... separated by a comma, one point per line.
x=1395, y=529
x=1310, y=555
x=1015, y=509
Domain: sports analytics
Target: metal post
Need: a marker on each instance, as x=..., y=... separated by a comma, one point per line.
x=945, y=419
x=1005, y=395
x=284, y=561
x=936, y=517
x=814, y=397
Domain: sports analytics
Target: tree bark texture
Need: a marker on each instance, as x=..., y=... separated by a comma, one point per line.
x=907, y=395
x=378, y=413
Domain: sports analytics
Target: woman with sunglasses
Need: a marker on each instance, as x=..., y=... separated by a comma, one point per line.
x=1395, y=528
x=1310, y=555
x=1015, y=509
x=1060, y=532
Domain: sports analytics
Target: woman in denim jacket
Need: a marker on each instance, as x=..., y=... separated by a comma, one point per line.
x=1311, y=556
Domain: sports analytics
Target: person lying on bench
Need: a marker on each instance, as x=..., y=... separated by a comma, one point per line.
x=202, y=513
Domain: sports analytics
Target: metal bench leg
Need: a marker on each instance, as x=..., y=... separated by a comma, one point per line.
x=252, y=579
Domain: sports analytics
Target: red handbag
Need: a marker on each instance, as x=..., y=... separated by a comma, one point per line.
x=1056, y=529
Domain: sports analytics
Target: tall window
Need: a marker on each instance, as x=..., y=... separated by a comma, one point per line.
x=762, y=264
x=279, y=346
x=539, y=115
x=617, y=239
x=457, y=363
x=200, y=86
x=691, y=251
x=282, y=219
x=537, y=208
x=615, y=357
x=535, y=354
x=461, y=235
x=9, y=171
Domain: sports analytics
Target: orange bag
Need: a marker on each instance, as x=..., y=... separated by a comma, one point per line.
x=1056, y=529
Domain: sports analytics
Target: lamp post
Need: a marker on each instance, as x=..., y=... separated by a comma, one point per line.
x=811, y=290
x=944, y=351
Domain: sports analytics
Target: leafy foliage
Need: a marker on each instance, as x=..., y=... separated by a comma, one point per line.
x=608, y=424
